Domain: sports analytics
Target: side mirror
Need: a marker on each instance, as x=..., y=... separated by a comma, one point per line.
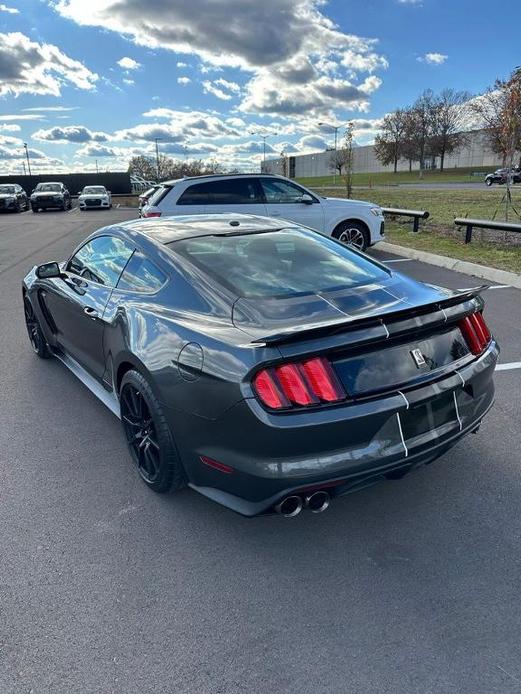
x=306, y=199
x=48, y=270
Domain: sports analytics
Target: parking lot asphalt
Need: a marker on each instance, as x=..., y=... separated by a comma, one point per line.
x=408, y=587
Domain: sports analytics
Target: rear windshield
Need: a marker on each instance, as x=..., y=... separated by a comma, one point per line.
x=49, y=187
x=282, y=263
x=160, y=193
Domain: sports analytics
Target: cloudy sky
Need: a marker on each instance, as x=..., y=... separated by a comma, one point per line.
x=87, y=80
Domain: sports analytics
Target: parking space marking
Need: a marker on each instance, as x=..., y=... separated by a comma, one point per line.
x=509, y=366
x=492, y=286
x=398, y=260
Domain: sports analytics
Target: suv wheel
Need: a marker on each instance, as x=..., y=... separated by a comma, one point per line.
x=36, y=336
x=353, y=234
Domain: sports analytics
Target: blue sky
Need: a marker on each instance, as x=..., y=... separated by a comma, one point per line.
x=82, y=80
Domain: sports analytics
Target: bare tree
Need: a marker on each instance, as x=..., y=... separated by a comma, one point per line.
x=142, y=166
x=449, y=113
x=499, y=111
x=284, y=164
x=420, y=122
x=337, y=161
x=347, y=149
x=389, y=143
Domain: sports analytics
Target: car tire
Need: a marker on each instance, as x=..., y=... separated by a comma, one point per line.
x=148, y=435
x=352, y=234
x=34, y=209
x=36, y=336
x=489, y=182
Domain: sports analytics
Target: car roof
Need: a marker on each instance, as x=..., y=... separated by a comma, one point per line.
x=167, y=229
x=52, y=183
x=204, y=176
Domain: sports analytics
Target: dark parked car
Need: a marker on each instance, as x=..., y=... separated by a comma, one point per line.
x=500, y=176
x=13, y=198
x=263, y=364
x=50, y=195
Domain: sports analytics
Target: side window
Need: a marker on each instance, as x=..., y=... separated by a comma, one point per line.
x=198, y=194
x=231, y=191
x=101, y=260
x=141, y=275
x=281, y=192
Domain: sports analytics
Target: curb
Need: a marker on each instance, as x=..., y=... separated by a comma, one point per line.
x=482, y=271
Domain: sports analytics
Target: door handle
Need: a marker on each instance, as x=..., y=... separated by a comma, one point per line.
x=90, y=312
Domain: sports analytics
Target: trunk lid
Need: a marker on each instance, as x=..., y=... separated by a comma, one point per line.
x=378, y=337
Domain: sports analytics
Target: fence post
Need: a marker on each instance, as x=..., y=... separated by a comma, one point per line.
x=468, y=234
x=416, y=225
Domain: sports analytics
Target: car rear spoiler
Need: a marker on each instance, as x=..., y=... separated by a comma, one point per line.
x=458, y=297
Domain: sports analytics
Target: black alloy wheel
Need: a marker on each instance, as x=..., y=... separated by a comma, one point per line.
x=36, y=337
x=353, y=234
x=148, y=435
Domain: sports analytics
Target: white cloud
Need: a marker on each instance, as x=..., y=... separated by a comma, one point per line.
x=128, y=63
x=20, y=116
x=51, y=108
x=180, y=64
x=70, y=133
x=215, y=88
x=38, y=68
x=128, y=81
x=410, y=2
x=9, y=10
x=433, y=58
x=96, y=151
x=9, y=128
x=300, y=46
x=183, y=80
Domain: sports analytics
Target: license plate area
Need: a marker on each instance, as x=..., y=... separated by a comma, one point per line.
x=435, y=416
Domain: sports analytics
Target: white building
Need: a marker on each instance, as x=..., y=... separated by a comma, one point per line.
x=475, y=153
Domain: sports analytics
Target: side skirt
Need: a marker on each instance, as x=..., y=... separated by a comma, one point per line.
x=108, y=399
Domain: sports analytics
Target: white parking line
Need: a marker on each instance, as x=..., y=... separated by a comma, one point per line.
x=492, y=286
x=509, y=366
x=399, y=260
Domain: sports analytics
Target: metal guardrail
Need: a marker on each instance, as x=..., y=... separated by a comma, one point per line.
x=469, y=224
x=416, y=214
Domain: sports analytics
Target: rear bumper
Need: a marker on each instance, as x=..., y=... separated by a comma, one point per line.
x=344, y=448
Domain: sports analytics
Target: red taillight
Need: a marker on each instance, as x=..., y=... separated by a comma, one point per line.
x=268, y=391
x=293, y=385
x=323, y=380
x=476, y=333
x=308, y=383
x=152, y=214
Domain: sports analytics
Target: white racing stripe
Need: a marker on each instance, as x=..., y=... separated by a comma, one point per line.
x=509, y=366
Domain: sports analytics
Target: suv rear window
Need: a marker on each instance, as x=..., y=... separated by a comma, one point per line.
x=160, y=193
x=290, y=262
x=230, y=191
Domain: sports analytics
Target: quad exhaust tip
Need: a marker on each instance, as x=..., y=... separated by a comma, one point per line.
x=317, y=502
x=291, y=506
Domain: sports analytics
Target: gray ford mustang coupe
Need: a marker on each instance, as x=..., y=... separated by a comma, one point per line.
x=266, y=366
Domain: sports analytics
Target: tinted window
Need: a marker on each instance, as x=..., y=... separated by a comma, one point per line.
x=6, y=189
x=141, y=275
x=283, y=263
x=159, y=194
x=281, y=192
x=232, y=191
x=101, y=260
x=94, y=190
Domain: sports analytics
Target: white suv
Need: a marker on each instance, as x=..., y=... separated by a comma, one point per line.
x=359, y=224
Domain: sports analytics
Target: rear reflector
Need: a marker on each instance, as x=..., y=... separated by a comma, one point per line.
x=309, y=383
x=476, y=333
x=216, y=464
x=152, y=214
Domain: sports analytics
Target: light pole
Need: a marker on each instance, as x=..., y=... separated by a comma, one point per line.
x=264, y=138
x=27, y=155
x=156, y=140
x=336, y=128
